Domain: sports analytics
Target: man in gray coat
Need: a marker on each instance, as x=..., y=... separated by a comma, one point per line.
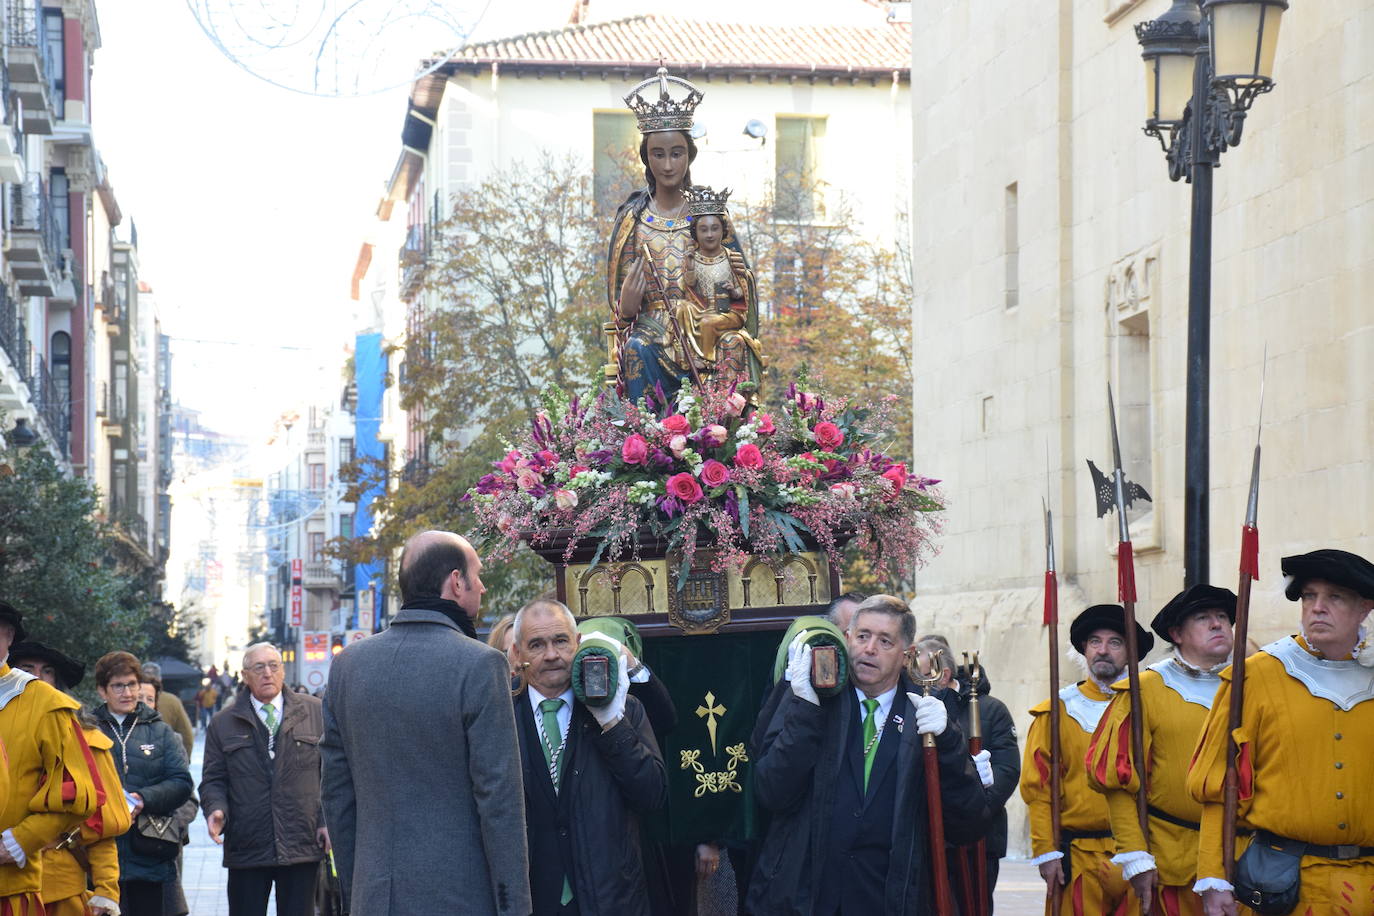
x=422, y=784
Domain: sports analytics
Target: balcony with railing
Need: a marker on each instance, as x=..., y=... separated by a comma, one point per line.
x=11, y=140
x=35, y=256
x=322, y=574
x=50, y=402
x=14, y=339
x=28, y=67
x=413, y=257
x=113, y=408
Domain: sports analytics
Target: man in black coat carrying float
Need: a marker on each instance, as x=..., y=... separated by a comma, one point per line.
x=843, y=780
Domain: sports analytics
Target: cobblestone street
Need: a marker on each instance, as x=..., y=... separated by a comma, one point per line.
x=202, y=875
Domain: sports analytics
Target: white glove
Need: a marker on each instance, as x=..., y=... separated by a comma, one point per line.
x=614, y=711
x=799, y=669
x=931, y=715
x=983, y=762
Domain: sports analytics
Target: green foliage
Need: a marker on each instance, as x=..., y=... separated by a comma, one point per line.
x=69, y=573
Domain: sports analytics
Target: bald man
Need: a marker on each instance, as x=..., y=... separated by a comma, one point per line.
x=422, y=787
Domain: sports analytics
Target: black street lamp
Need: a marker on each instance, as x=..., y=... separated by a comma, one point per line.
x=23, y=436
x=1204, y=66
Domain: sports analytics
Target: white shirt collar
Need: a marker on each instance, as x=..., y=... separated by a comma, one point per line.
x=276, y=706
x=564, y=711
x=884, y=705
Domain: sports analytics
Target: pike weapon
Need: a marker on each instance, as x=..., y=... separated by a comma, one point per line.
x=1125, y=577
x=1249, y=571
x=1056, y=890
x=672, y=317
x=939, y=864
x=975, y=746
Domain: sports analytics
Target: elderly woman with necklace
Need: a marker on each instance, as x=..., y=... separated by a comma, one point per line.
x=658, y=315
x=151, y=763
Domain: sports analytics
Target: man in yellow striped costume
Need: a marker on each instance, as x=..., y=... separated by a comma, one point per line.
x=51, y=787
x=1306, y=746
x=1176, y=694
x=1093, y=886
x=86, y=854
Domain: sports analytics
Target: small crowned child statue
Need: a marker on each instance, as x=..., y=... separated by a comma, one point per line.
x=714, y=273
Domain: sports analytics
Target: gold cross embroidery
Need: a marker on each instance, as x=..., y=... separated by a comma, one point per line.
x=710, y=712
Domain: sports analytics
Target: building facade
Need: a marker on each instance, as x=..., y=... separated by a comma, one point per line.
x=1051, y=258
x=310, y=593
x=79, y=368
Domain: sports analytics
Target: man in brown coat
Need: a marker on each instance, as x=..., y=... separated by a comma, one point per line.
x=260, y=790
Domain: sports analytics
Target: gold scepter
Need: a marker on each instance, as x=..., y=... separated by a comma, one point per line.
x=672, y=316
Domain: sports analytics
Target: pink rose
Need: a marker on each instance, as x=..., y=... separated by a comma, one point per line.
x=897, y=474
x=677, y=445
x=576, y=469
x=526, y=479
x=735, y=404
x=714, y=474
x=565, y=499
x=685, y=488
x=749, y=456
x=635, y=449
x=507, y=464
x=764, y=424
x=844, y=490
x=548, y=457
x=828, y=435
x=676, y=425
x=716, y=434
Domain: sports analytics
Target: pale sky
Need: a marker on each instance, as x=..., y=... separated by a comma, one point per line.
x=251, y=203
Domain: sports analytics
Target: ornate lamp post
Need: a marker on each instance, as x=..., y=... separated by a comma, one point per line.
x=1204, y=66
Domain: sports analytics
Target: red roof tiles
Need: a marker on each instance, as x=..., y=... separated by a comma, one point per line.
x=697, y=45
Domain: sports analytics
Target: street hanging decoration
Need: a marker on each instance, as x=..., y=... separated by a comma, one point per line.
x=338, y=48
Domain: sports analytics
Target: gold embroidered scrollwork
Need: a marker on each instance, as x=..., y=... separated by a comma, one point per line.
x=726, y=780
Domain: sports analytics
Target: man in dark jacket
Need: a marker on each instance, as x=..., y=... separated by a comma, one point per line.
x=999, y=763
x=260, y=790
x=844, y=781
x=588, y=774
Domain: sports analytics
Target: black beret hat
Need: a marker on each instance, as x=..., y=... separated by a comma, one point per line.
x=69, y=670
x=15, y=619
x=1107, y=617
x=1197, y=598
x=1338, y=567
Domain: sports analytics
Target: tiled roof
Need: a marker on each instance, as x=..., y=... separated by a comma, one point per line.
x=691, y=45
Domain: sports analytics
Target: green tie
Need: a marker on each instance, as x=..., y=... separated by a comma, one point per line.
x=553, y=757
x=271, y=718
x=870, y=736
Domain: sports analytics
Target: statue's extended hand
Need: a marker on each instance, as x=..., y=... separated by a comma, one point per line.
x=632, y=290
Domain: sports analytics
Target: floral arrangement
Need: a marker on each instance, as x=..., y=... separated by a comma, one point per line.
x=706, y=469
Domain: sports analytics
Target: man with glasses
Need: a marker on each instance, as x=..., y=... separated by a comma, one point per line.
x=260, y=790
x=844, y=780
x=1082, y=864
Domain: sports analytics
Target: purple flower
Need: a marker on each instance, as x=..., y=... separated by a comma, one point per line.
x=732, y=505
x=661, y=459
x=601, y=457
x=670, y=505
